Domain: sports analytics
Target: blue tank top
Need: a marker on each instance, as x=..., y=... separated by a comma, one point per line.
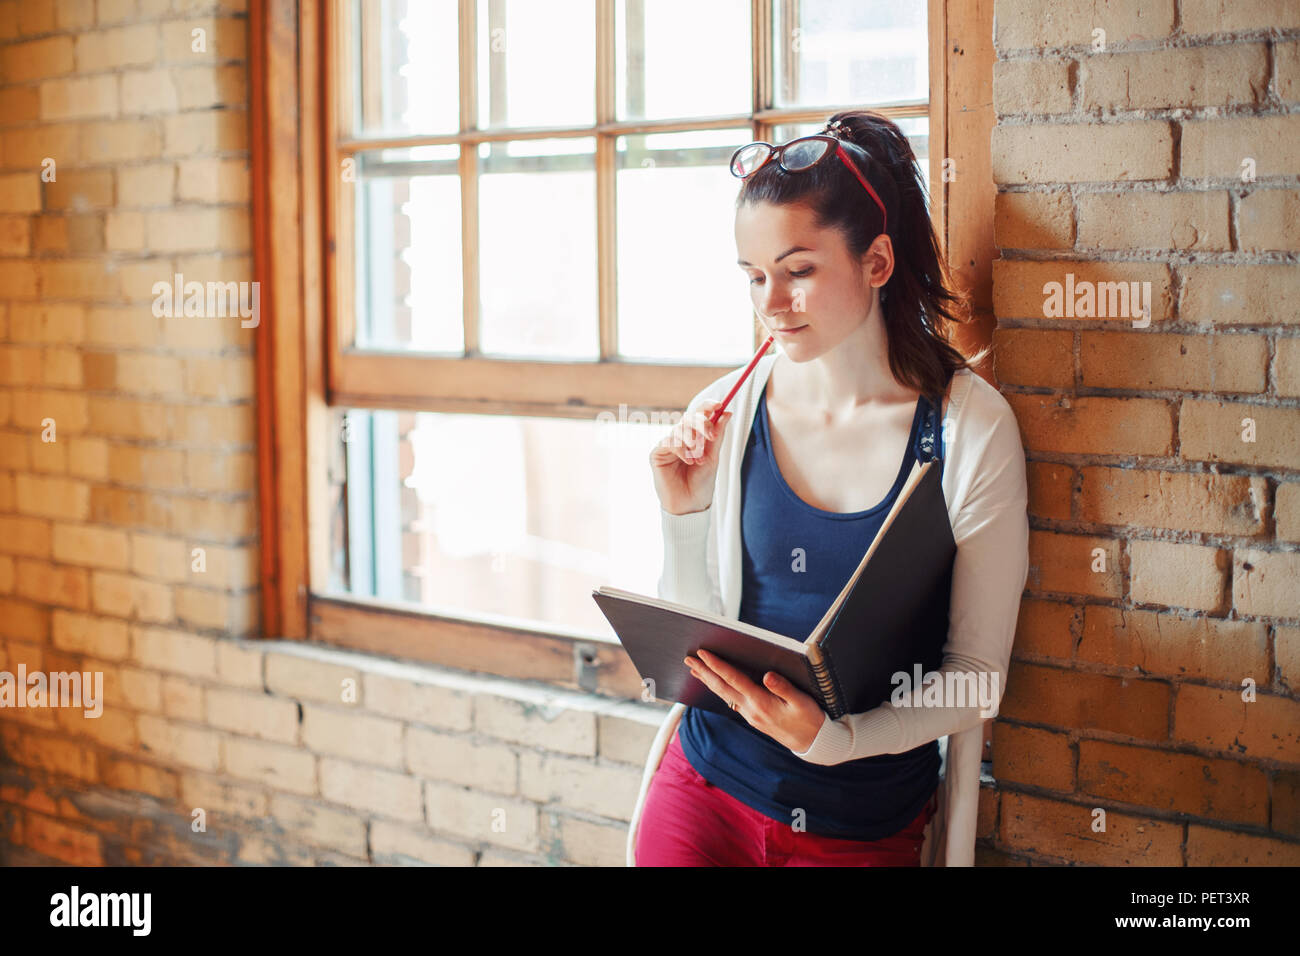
x=795, y=560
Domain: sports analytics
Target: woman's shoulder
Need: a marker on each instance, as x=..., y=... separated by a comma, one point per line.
x=983, y=402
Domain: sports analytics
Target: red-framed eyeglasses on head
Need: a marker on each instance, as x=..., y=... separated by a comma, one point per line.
x=802, y=154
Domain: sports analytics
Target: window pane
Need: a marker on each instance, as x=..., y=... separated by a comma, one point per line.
x=870, y=52
x=681, y=296
x=406, y=67
x=916, y=129
x=522, y=521
x=408, y=250
x=660, y=61
x=537, y=248
x=536, y=63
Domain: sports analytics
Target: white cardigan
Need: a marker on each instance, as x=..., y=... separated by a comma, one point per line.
x=985, y=489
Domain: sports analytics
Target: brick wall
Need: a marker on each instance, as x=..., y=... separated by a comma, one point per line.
x=1165, y=568
x=153, y=457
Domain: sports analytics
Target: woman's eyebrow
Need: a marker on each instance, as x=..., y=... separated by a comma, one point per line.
x=742, y=262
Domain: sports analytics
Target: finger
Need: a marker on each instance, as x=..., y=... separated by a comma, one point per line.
x=784, y=690
x=710, y=679
x=732, y=675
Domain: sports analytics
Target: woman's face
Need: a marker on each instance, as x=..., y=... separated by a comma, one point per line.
x=818, y=285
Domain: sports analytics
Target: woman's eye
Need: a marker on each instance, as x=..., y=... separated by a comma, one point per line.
x=754, y=281
x=801, y=274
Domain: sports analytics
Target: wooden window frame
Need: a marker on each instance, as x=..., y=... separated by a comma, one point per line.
x=305, y=369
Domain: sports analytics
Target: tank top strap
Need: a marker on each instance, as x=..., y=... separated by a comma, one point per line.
x=929, y=438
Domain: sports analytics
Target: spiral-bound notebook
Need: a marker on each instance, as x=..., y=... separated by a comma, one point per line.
x=891, y=616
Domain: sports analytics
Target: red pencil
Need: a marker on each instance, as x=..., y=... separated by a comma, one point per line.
x=713, y=420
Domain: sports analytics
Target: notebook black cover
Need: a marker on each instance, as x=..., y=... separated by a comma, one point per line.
x=895, y=616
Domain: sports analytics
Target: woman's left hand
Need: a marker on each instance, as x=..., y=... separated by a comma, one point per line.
x=778, y=708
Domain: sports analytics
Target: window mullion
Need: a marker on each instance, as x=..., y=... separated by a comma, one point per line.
x=606, y=199
x=468, y=169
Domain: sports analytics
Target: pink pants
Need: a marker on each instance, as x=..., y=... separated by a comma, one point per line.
x=687, y=821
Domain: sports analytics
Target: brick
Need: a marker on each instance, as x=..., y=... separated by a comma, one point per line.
x=608, y=790
x=222, y=472
x=1268, y=220
x=1242, y=294
x=1065, y=831
x=1031, y=756
x=1077, y=700
x=394, y=845
x=355, y=736
x=90, y=546
x=1094, y=425
x=1177, y=501
x=319, y=825
x=26, y=536
x=86, y=634
x=1162, y=221
x=1235, y=16
x=1175, y=645
x=304, y=678
x=121, y=141
x=1026, y=23
x=222, y=39
x=1073, y=153
x=274, y=765
x=550, y=726
x=52, y=497
x=1233, y=74
x=148, y=91
x=143, y=186
x=1214, y=431
x=1286, y=510
x=1179, y=574
x=1033, y=220
x=176, y=230
x=37, y=59
x=481, y=817
x=582, y=842
x=177, y=743
x=204, y=87
x=174, y=652
x=1046, y=629
x=239, y=666
x=130, y=509
x=51, y=584
x=1286, y=64
x=15, y=236
x=253, y=715
x=20, y=193
x=75, y=846
x=120, y=774
x=627, y=737
x=1216, y=720
x=1210, y=846
x=218, y=131
x=1151, y=360
x=1181, y=783
x=111, y=49
x=463, y=760
x=1084, y=291
x=1217, y=149
x=1265, y=582
x=182, y=699
x=382, y=792
x=418, y=701
x=211, y=180
x=1040, y=357
x=125, y=596
x=215, y=795
x=79, y=98
x=1031, y=86
x=225, y=378
x=1067, y=563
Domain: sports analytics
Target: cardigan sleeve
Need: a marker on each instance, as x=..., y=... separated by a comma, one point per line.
x=989, y=574
x=688, y=576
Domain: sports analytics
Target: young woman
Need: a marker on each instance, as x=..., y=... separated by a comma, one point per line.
x=767, y=512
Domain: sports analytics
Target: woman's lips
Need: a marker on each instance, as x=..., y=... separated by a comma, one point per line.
x=791, y=331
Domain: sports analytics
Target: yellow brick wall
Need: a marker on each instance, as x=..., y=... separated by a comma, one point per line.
x=154, y=455
x=1152, y=141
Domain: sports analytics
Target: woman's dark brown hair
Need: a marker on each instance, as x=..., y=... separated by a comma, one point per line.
x=920, y=299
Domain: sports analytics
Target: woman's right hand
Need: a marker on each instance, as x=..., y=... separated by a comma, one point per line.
x=685, y=462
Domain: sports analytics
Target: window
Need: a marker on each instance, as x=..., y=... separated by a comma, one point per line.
x=515, y=261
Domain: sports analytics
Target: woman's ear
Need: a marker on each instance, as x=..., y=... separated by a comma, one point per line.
x=878, y=261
